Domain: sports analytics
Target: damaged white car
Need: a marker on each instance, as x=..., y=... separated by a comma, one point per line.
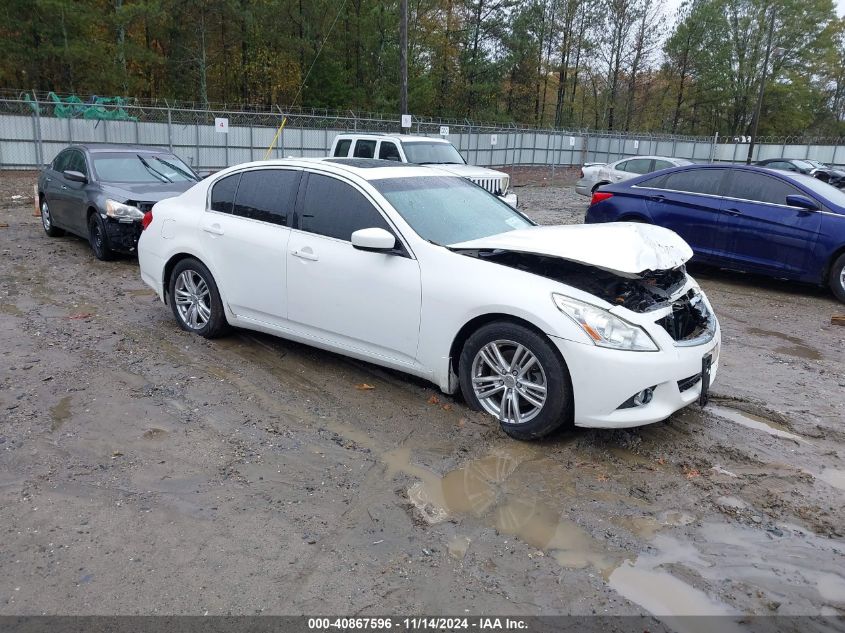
x=418, y=270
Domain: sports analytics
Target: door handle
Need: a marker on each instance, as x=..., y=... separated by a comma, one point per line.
x=214, y=229
x=64, y=186
x=732, y=211
x=657, y=198
x=310, y=256
x=48, y=180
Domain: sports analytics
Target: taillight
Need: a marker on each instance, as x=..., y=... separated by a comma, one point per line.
x=598, y=196
x=146, y=220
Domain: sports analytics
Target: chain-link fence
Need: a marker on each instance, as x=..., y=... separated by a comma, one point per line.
x=34, y=129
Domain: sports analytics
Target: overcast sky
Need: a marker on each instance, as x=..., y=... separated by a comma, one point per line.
x=672, y=7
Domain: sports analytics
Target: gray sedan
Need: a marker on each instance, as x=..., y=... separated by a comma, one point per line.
x=101, y=192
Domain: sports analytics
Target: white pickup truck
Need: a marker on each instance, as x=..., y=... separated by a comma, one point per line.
x=422, y=150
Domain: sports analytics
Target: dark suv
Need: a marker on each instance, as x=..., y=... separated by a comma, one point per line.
x=101, y=192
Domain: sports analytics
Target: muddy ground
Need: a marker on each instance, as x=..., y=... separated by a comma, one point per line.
x=145, y=470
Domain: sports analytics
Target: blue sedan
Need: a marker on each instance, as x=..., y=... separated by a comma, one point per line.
x=740, y=217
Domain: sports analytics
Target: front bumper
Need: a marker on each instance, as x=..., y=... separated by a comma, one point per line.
x=603, y=379
x=122, y=236
x=510, y=198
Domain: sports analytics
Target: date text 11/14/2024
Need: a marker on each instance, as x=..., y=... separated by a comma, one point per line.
x=417, y=624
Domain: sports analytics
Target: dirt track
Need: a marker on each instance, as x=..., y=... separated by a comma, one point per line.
x=144, y=470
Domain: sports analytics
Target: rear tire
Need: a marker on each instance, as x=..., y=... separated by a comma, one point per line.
x=98, y=238
x=837, y=278
x=195, y=300
x=514, y=374
x=47, y=221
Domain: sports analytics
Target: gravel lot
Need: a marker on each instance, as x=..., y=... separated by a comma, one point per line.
x=144, y=470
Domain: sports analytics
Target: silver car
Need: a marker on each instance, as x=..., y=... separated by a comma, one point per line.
x=594, y=175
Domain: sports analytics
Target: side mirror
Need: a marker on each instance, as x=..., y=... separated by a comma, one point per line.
x=373, y=240
x=802, y=202
x=75, y=176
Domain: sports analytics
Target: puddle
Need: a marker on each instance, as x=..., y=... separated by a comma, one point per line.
x=800, y=351
x=799, y=348
x=59, y=413
x=142, y=292
x=458, y=547
x=154, y=434
x=11, y=309
x=752, y=421
x=831, y=587
x=835, y=478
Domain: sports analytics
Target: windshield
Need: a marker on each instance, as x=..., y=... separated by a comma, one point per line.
x=448, y=210
x=816, y=164
x=801, y=164
x=431, y=153
x=826, y=191
x=142, y=167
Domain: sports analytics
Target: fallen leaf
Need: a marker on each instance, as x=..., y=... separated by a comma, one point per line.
x=602, y=477
x=116, y=454
x=81, y=315
x=447, y=407
x=837, y=319
x=3, y=225
x=364, y=387
x=434, y=400
x=692, y=474
x=462, y=422
x=661, y=461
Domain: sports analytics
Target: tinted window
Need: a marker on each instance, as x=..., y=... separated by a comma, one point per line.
x=638, y=166
x=781, y=165
x=335, y=209
x=267, y=195
x=60, y=161
x=365, y=149
x=342, y=147
x=623, y=166
x=759, y=187
x=76, y=162
x=223, y=193
x=662, y=164
x=695, y=181
x=657, y=183
x=388, y=151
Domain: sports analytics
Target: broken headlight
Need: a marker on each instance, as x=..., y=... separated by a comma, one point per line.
x=123, y=212
x=603, y=328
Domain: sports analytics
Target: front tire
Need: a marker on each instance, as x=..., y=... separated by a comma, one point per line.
x=98, y=239
x=195, y=300
x=47, y=221
x=514, y=374
x=837, y=278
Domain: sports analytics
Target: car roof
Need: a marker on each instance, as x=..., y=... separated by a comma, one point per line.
x=113, y=148
x=364, y=168
x=650, y=157
x=405, y=138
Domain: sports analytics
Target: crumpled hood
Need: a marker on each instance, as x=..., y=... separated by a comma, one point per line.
x=469, y=171
x=624, y=248
x=145, y=191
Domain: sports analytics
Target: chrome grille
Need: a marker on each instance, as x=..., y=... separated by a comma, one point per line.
x=490, y=184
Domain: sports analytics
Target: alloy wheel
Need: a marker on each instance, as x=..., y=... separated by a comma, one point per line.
x=509, y=381
x=46, y=221
x=193, y=299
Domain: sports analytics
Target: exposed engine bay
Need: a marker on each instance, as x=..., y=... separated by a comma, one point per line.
x=642, y=293
x=689, y=319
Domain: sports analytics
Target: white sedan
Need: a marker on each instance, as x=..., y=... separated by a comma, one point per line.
x=419, y=270
x=594, y=175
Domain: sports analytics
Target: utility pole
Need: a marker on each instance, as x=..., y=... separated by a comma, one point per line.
x=756, y=120
x=403, y=61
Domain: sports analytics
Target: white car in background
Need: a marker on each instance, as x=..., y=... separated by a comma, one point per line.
x=423, y=150
x=416, y=269
x=594, y=175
